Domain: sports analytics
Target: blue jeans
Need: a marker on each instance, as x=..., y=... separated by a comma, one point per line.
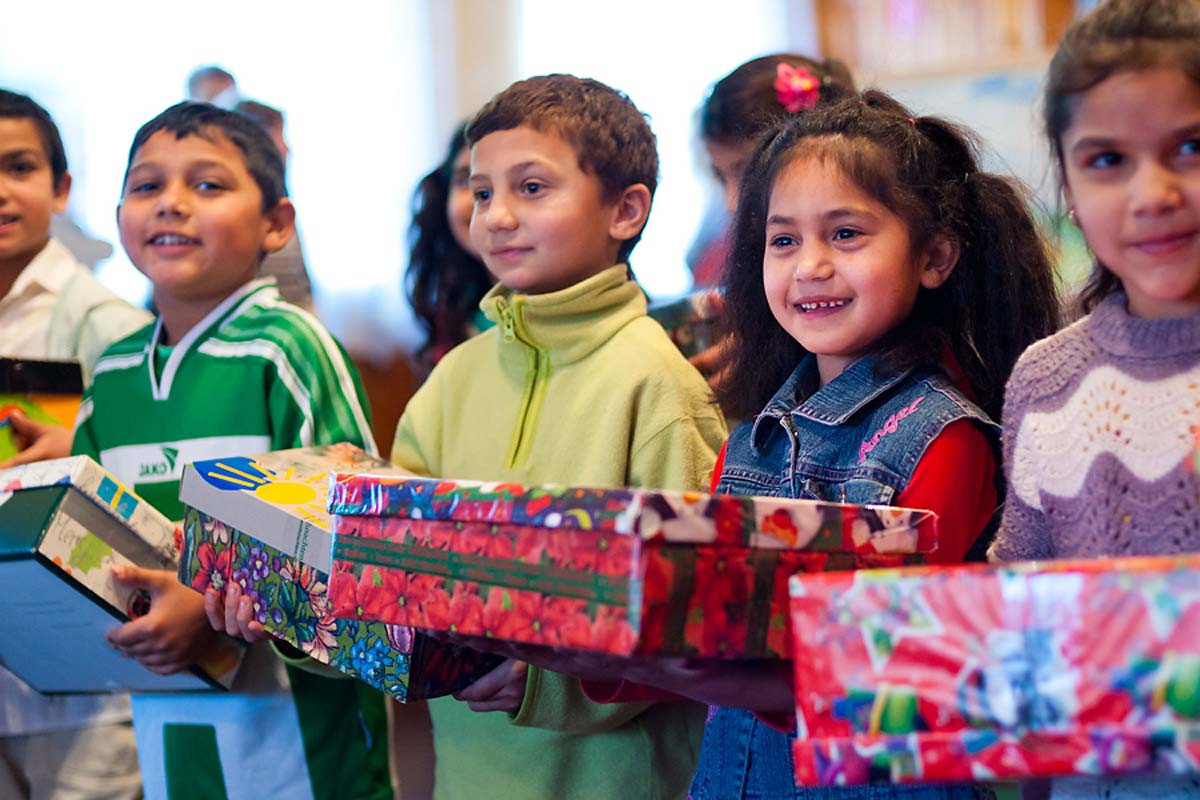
x=744, y=759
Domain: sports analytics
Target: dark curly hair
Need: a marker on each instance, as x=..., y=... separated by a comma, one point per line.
x=999, y=298
x=1118, y=36
x=611, y=138
x=443, y=281
x=264, y=162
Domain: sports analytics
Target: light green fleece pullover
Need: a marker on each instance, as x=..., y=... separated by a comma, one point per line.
x=572, y=387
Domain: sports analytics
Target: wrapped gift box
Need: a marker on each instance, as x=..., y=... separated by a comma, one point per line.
x=45, y=391
x=262, y=522
x=983, y=672
x=618, y=571
x=63, y=525
x=690, y=321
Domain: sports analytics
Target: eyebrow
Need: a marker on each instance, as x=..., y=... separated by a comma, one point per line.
x=24, y=151
x=1093, y=143
x=828, y=216
x=1100, y=141
x=207, y=163
x=523, y=165
x=515, y=169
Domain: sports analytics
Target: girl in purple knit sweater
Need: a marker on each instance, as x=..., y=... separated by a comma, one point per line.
x=1101, y=420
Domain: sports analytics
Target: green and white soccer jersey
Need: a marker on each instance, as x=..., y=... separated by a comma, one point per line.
x=256, y=374
x=282, y=733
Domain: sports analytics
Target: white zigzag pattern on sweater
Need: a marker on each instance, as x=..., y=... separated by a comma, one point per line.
x=1149, y=426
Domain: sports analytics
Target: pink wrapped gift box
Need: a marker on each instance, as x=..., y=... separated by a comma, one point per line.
x=983, y=672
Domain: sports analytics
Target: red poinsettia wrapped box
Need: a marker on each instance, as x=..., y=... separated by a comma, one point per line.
x=619, y=571
x=983, y=672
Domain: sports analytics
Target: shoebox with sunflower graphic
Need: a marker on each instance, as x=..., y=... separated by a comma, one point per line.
x=618, y=571
x=45, y=391
x=63, y=525
x=262, y=523
x=691, y=321
x=983, y=672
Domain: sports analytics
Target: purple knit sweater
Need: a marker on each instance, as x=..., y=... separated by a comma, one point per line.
x=1100, y=428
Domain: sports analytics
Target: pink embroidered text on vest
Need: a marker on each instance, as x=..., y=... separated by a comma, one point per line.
x=888, y=427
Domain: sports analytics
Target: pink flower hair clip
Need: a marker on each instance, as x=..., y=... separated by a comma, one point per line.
x=796, y=88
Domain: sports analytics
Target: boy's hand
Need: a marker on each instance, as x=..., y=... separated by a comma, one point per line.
x=174, y=633
x=233, y=614
x=1038, y=789
x=762, y=686
x=582, y=664
x=38, y=441
x=502, y=689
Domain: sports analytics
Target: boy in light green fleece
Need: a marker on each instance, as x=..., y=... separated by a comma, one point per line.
x=574, y=385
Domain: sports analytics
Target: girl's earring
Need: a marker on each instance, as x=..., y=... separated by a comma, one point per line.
x=1073, y=217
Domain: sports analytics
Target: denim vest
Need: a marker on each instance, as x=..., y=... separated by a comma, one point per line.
x=855, y=440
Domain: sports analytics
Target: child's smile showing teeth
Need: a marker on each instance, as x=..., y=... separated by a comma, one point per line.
x=809, y=306
x=839, y=269
x=192, y=220
x=172, y=245
x=172, y=239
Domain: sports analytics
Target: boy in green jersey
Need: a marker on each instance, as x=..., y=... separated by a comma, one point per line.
x=228, y=368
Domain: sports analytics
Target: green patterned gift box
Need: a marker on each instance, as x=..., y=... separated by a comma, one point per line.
x=64, y=525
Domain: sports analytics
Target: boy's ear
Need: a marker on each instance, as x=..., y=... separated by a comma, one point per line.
x=941, y=257
x=280, y=223
x=630, y=212
x=62, y=193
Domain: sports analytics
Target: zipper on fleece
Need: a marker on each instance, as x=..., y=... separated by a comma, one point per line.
x=537, y=373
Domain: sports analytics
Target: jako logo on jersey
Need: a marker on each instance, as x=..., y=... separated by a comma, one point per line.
x=159, y=469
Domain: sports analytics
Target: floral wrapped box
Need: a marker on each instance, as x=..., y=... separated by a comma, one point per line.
x=690, y=321
x=64, y=524
x=618, y=571
x=983, y=672
x=261, y=522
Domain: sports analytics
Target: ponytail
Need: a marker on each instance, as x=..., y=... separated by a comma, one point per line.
x=1003, y=298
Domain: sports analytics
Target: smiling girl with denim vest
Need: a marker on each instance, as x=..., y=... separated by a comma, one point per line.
x=880, y=289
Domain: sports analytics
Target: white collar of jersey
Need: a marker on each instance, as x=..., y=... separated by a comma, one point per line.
x=260, y=289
